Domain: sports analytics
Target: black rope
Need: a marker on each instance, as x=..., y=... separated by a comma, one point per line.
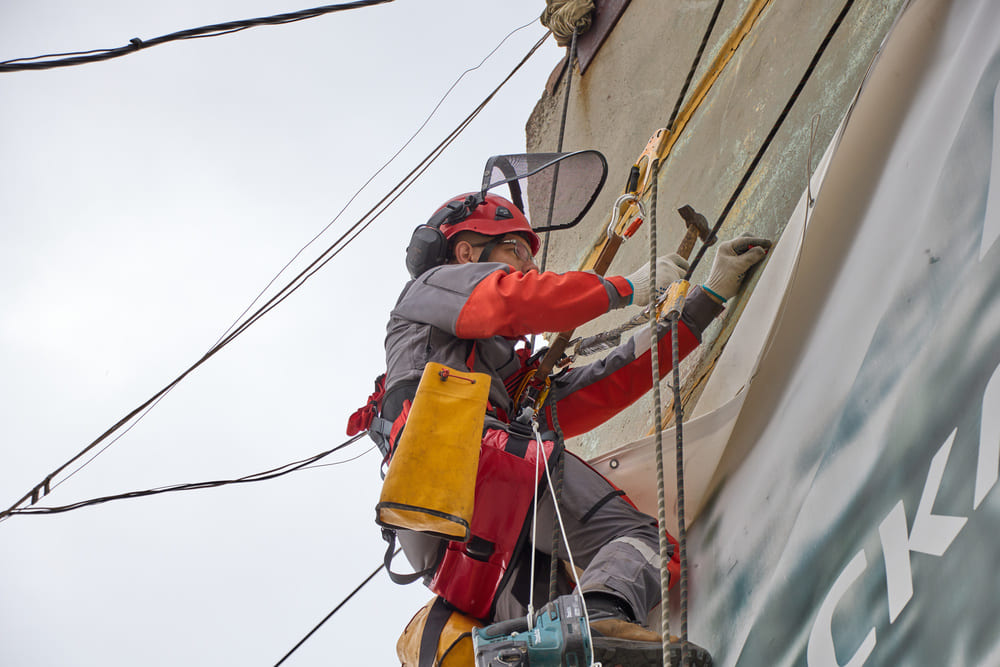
x=265, y=475
x=557, y=484
x=770, y=136
x=694, y=65
x=335, y=610
x=326, y=256
x=570, y=57
x=135, y=44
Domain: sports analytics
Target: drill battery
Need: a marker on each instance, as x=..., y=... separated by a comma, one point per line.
x=559, y=638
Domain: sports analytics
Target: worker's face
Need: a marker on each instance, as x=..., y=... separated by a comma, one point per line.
x=514, y=251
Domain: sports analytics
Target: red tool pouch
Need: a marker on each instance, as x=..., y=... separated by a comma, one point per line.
x=471, y=573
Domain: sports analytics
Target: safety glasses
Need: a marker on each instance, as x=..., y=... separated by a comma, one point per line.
x=520, y=250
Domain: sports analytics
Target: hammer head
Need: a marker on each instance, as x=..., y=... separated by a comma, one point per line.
x=696, y=223
x=697, y=228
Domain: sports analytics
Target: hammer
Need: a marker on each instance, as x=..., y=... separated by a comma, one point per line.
x=697, y=227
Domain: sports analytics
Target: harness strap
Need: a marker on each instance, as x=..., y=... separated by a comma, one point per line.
x=379, y=430
x=434, y=624
x=601, y=503
x=399, y=578
x=519, y=436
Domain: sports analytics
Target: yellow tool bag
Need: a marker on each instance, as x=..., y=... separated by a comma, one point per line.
x=437, y=636
x=431, y=481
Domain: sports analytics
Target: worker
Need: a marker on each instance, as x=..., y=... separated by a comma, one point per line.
x=473, y=311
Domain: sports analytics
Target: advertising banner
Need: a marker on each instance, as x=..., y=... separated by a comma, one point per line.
x=856, y=519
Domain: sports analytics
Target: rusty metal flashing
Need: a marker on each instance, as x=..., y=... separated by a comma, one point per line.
x=606, y=15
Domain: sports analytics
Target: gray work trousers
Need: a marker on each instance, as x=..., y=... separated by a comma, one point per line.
x=616, y=545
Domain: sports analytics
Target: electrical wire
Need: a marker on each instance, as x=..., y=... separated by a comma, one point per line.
x=309, y=243
x=374, y=175
x=263, y=476
x=136, y=44
x=335, y=610
x=44, y=487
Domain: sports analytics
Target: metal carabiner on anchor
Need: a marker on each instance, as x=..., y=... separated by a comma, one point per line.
x=616, y=216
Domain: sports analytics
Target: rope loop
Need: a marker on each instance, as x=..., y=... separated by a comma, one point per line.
x=563, y=16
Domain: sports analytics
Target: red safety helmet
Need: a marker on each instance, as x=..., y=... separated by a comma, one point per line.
x=491, y=215
x=495, y=216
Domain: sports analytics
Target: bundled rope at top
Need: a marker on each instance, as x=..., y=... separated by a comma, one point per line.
x=563, y=16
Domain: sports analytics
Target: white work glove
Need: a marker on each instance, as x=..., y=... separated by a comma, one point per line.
x=669, y=268
x=732, y=260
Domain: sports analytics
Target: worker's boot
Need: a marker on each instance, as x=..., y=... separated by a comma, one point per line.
x=621, y=642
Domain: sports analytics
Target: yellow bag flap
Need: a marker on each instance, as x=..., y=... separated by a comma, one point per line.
x=431, y=481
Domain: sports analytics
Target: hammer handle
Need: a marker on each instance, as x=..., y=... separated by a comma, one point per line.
x=687, y=243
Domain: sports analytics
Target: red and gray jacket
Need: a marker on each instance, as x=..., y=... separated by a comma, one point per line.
x=472, y=316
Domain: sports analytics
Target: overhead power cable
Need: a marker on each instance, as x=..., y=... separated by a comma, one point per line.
x=54, y=60
x=45, y=486
x=311, y=241
x=377, y=172
x=335, y=610
x=263, y=476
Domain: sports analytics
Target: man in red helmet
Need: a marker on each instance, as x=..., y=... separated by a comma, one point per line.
x=471, y=304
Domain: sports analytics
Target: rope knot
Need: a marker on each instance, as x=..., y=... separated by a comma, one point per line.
x=562, y=16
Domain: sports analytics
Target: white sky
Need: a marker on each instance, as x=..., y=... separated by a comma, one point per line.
x=144, y=201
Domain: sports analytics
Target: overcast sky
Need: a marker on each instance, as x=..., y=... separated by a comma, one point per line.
x=144, y=202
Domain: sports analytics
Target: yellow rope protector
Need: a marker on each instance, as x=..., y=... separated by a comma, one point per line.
x=431, y=482
x=673, y=301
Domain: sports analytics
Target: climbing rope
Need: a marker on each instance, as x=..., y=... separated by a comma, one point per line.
x=565, y=18
x=681, y=523
x=654, y=357
x=560, y=466
x=673, y=317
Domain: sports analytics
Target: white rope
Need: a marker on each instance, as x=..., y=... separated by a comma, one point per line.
x=541, y=456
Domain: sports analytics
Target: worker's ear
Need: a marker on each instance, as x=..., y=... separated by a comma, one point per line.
x=465, y=253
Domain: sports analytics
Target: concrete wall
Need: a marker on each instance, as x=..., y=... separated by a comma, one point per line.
x=629, y=91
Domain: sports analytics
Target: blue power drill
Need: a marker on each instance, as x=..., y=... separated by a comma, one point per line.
x=559, y=638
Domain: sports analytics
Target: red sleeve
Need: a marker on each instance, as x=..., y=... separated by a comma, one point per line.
x=592, y=405
x=517, y=304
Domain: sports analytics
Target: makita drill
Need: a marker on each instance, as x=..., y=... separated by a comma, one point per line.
x=559, y=638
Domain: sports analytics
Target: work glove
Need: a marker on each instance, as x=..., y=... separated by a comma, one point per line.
x=732, y=260
x=669, y=268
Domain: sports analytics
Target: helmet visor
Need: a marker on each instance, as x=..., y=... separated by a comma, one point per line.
x=554, y=190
